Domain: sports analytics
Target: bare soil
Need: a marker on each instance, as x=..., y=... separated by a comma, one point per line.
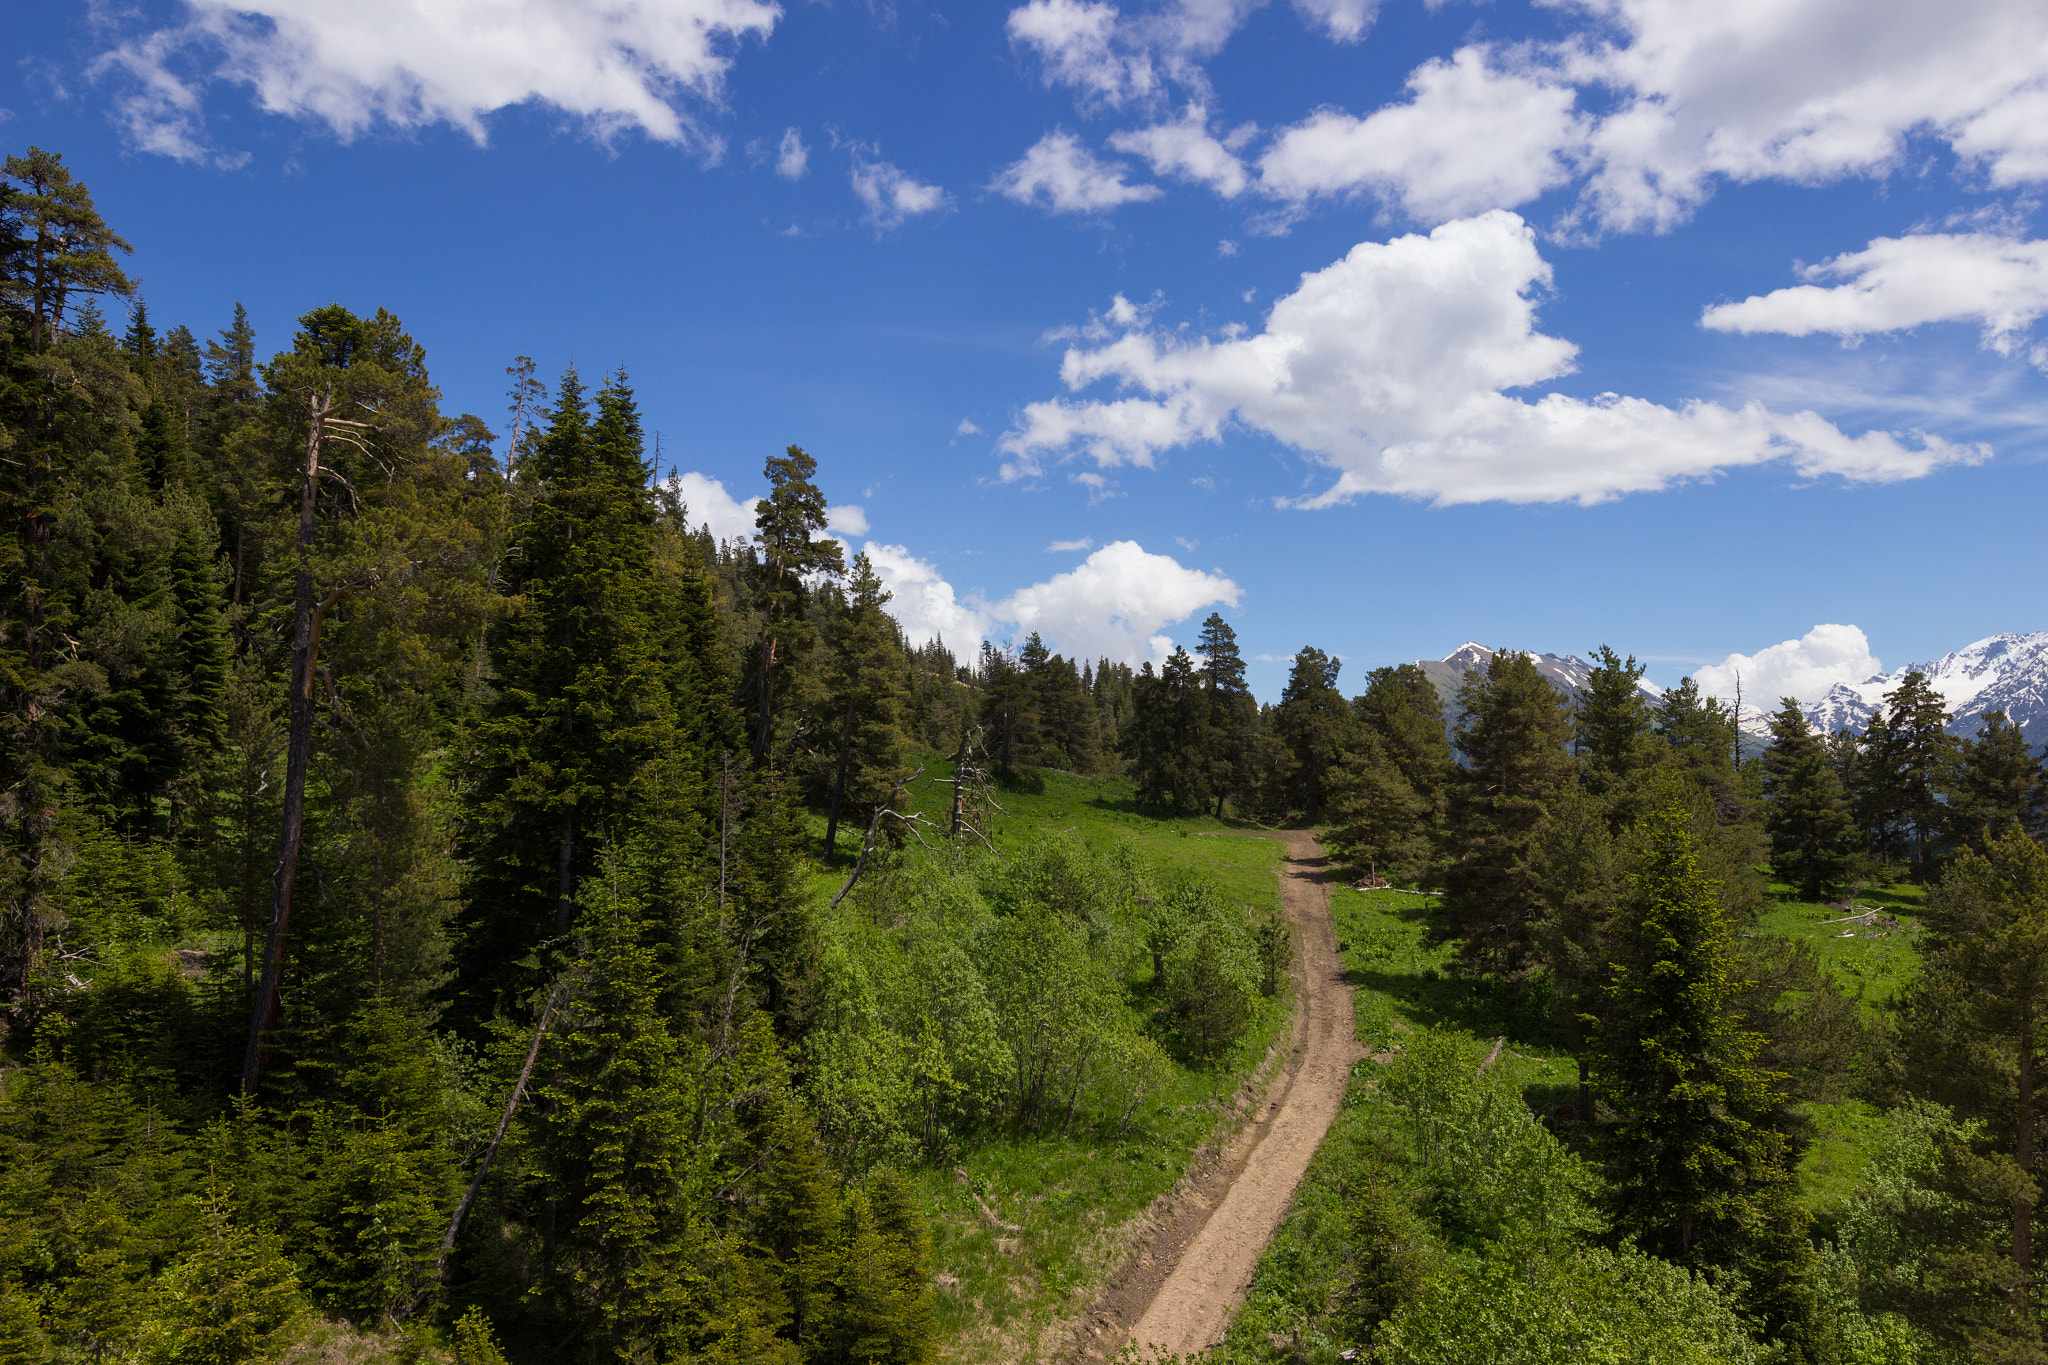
x=1181, y=1286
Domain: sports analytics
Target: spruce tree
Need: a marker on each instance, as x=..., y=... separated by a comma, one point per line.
x=1923, y=751
x=1611, y=728
x=1233, y=723
x=1512, y=729
x=862, y=685
x=1694, y=1162
x=1317, y=725
x=1804, y=812
x=581, y=706
x=1996, y=784
x=1971, y=1037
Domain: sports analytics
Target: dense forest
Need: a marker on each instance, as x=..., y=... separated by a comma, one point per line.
x=422, y=859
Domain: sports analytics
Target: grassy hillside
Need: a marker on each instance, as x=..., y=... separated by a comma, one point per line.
x=1027, y=1225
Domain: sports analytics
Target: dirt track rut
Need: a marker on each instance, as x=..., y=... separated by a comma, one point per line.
x=1180, y=1292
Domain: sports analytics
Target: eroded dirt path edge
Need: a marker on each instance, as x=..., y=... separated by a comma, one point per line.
x=1182, y=1285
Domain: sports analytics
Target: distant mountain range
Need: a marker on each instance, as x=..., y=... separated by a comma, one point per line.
x=2006, y=673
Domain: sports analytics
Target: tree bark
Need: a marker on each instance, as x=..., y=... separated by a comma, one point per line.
x=2022, y=1207
x=838, y=791
x=306, y=621
x=959, y=780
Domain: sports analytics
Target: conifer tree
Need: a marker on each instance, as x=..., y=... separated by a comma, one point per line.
x=1922, y=750
x=1317, y=725
x=581, y=706
x=1400, y=705
x=1694, y=1161
x=1168, y=737
x=1233, y=723
x=68, y=249
x=1996, y=784
x=1974, y=1027
x=1512, y=729
x=788, y=521
x=861, y=685
x=1804, y=812
x=1611, y=727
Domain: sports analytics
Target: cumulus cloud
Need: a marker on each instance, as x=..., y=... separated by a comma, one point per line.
x=1114, y=604
x=732, y=518
x=1185, y=148
x=1110, y=59
x=1470, y=137
x=1646, y=104
x=1345, y=21
x=352, y=64
x=889, y=195
x=1059, y=174
x=924, y=603
x=1901, y=282
x=710, y=505
x=792, y=158
x=1393, y=367
x=1804, y=668
x=1807, y=91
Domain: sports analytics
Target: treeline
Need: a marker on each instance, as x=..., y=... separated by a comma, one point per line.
x=484, y=778
x=1600, y=859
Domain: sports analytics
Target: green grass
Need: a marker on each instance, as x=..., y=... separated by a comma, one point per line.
x=1061, y=1203
x=1873, y=965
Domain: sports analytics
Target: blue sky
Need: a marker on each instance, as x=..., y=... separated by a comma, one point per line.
x=1679, y=327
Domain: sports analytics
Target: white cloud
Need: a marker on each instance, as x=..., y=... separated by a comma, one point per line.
x=1470, y=137
x=732, y=518
x=1345, y=21
x=710, y=505
x=1900, y=282
x=890, y=196
x=923, y=602
x=1062, y=547
x=1393, y=367
x=1115, y=603
x=1186, y=149
x=967, y=428
x=1806, y=91
x=352, y=64
x=792, y=158
x=1110, y=59
x=1804, y=668
x=1059, y=174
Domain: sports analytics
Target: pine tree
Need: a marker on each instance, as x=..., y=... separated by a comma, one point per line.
x=788, y=522
x=69, y=249
x=1804, y=812
x=1317, y=725
x=1512, y=729
x=1400, y=705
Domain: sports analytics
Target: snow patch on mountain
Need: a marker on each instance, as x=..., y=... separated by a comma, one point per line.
x=2006, y=673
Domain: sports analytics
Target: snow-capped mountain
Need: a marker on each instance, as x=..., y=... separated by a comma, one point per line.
x=2006, y=673
x=1568, y=673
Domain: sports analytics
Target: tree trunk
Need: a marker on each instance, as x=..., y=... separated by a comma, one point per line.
x=565, y=858
x=2022, y=1207
x=959, y=780
x=299, y=754
x=838, y=791
x=1585, y=1114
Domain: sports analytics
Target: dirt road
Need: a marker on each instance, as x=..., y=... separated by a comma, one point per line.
x=1180, y=1293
